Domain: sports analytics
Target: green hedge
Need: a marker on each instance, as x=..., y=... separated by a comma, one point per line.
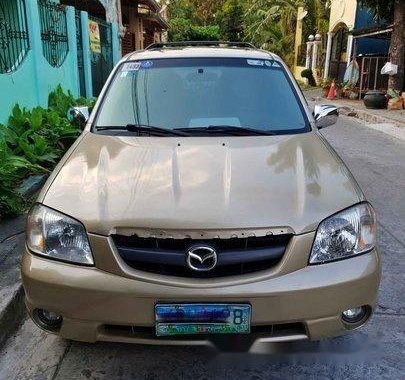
x=32, y=142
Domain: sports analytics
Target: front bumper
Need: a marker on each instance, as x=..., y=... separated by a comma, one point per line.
x=100, y=306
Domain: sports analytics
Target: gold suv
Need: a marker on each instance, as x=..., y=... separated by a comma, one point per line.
x=200, y=204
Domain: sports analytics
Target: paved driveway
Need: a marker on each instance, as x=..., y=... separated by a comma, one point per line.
x=374, y=352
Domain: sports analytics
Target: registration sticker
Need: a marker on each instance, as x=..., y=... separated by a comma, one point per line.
x=131, y=66
x=255, y=62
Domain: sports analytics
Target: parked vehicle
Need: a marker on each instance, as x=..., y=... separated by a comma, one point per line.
x=201, y=202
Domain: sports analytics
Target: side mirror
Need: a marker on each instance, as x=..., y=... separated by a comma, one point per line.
x=79, y=116
x=325, y=115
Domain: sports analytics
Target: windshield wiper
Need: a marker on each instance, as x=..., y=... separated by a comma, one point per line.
x=138, y=128
x=229, y=129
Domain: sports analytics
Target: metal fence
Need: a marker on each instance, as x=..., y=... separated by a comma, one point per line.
x=80, y=62
x=102, y=63
x=14, y=41
x=370, y=73
x=53, y=32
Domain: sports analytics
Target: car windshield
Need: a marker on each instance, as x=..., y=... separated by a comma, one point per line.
x=193, y=94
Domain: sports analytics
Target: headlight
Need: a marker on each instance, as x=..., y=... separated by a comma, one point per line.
x=54, y=235
x=348, y=233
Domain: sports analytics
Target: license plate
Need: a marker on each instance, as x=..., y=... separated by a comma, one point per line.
x=192, y=319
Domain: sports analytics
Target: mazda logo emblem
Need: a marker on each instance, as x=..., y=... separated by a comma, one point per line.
x=202, y=258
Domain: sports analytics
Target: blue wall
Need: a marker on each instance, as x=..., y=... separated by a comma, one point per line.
x=35, y=78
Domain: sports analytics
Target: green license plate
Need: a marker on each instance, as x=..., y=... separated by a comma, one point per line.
x=193, y=319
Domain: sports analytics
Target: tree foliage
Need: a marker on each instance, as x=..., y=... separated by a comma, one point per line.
x=269, y=24
x=206, y=20
x=381, y=9
x=231, y=20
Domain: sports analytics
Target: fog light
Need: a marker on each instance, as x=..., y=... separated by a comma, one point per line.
x=49, y=319
x=354, y=315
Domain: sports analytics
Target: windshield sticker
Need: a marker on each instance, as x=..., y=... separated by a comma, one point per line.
x=146, y=64
x=276, y=64
x=129, y=74
x=131, y=66
x=255, y=62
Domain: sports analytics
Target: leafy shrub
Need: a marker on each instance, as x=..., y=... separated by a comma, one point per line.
x=12, y=169
x=181, y=29
x=60, y=102
x=325, y=83
x=307, y=73
x=32, y=142
x=205, y=33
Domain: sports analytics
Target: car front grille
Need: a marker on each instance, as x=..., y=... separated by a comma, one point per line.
x=167, y=256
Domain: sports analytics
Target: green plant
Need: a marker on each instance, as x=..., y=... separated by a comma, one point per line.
x=393, y=94
x=338, y=85
x=37, y=150
x=325, y=83
x=12, y=170
x=231, y=20
x=26, y=136
x=205, y=33
x=60, y=102
x=349, y=87
x=307, y=73
x=32, y=142
x=206, y=20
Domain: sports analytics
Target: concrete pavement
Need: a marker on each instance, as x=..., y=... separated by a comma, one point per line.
x=375, y=351
x=11, y=294
x=391, y=122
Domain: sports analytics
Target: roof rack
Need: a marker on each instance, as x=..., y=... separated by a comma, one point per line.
x=162, y=45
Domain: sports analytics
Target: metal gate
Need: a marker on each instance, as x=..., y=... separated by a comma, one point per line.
x=370, y=74
x=54, y=32
x=80, y=63
x=14, y=41
x=101, y=63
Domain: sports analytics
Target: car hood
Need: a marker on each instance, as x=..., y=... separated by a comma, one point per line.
x=126, y=184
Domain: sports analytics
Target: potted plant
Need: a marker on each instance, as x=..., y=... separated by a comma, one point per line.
x=351, y=91
x=325, y=85
x=339, y=89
